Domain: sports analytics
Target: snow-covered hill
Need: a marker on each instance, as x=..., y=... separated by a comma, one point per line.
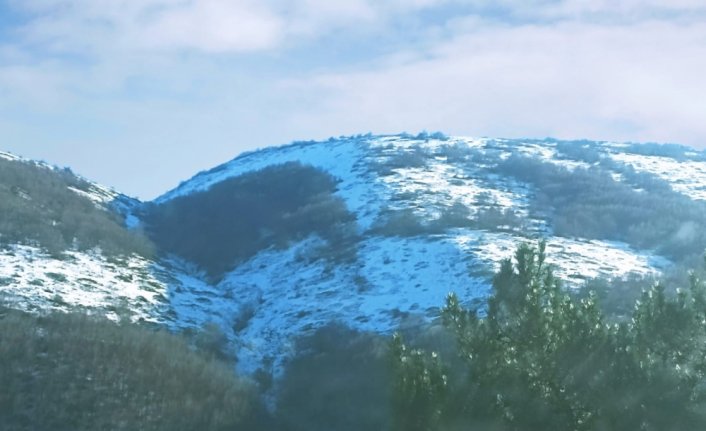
x=393, y=280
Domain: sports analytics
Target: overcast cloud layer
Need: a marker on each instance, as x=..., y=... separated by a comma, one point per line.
x=140, y=94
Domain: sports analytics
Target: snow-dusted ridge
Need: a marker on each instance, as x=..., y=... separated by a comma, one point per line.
x=338, y=157
x=264, y=303
x=396, y=280
x=99, y=194
x=8, y=156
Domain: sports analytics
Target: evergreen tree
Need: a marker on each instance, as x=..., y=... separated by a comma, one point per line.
x=541, y=359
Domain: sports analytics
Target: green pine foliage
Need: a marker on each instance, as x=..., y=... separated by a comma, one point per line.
x=420, y=388
x=37, y=207
x=541, y=359
x=75, y=372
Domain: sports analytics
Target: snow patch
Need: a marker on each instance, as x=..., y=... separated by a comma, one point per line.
x=8, y=156
x=33, y=280
x=687, y=177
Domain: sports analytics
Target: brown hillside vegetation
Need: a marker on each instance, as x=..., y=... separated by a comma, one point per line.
x=75, y=372
x=39, y=207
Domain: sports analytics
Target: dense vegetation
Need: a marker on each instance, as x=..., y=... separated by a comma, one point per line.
x=240, y=216
x=540, y=359
x=38, y=207
x=73, y=372
x=404, y=222
x=642, y=210
x=339, y=381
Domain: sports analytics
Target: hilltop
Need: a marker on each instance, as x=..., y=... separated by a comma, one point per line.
x=368, y=231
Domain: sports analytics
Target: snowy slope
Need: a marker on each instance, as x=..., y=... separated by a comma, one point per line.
x=134, y=288
x=685, y=176
x=262, y=304
x=395, y=280
x=33, y=280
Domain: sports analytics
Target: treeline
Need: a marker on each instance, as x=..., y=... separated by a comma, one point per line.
x=240, y=216
x=642, y=210
x=540, y=359
x=38, y=208
x=78, y=373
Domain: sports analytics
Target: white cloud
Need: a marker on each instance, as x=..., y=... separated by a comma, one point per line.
x=97, y=26
x=313, y=17
x=221, y=26
x=201, y=25
x=638, y=82
x=204, y=80
x=215, y=26
x=627, y=9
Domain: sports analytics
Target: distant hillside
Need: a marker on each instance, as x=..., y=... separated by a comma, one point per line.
x=428, y=214
x=368, y=231
x=56, y=210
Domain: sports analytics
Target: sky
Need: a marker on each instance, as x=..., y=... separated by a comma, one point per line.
x=142, y=94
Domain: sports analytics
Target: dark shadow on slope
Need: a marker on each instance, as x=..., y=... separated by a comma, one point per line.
x=240, y=216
